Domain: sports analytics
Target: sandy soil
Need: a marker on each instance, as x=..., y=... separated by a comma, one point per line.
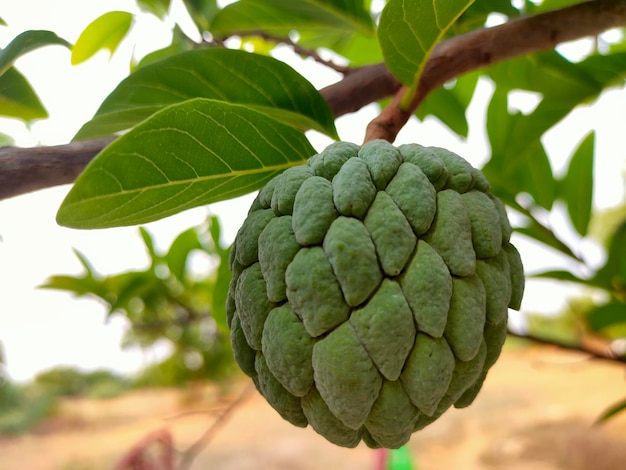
x=535, y=412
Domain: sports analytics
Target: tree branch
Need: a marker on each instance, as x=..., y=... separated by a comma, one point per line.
x=484, y=47
x=23, y=170
x=595, y=347
x=27, y=169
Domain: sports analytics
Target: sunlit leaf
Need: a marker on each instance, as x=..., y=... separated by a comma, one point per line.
x=264, y=83
x=281, y=16
x=26, y=42
x=105, y=32
x=18, y=99
x=409, y=30
x=577, y=185
x=193, y=153
x=2, y=22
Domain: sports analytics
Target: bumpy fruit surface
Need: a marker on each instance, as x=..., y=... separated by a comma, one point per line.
x=370, y=290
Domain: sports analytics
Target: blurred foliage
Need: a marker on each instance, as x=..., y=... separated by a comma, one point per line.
x=23, y=407
x=169, y=301
x=70, y=382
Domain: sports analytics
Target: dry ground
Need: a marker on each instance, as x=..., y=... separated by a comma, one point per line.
x=535, y=412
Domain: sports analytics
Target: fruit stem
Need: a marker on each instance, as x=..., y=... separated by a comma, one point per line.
x=391, y=119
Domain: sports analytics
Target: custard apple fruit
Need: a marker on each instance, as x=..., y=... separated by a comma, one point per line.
x=370, y=290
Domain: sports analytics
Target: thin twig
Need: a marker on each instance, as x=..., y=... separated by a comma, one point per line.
x=303, y=51
x=192, y=452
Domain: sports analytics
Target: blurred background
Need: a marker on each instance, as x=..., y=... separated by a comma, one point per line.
x=61, y=354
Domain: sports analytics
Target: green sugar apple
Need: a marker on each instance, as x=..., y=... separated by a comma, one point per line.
x=371, y=288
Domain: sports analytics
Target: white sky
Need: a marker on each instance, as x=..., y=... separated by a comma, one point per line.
x=42, y=328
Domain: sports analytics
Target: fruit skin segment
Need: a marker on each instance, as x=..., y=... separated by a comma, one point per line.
x=371, y=289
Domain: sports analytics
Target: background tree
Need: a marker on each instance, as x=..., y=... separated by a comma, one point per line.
x=206, y=120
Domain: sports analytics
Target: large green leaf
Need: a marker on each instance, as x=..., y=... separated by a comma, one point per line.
x=189, y=154
x=105, y=32
x=577, y=185
x=18, y=99
x=279, y=17
x=409, y=30
x=222, y=74
x=26, y=42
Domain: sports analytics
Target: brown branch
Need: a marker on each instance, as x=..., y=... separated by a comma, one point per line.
x=44, y=167
x=594, y=347
x=23, y=170
x=484, y=47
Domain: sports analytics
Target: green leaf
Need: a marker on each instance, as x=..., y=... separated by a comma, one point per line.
x=607, y=315
x=261, y=82
x=279, y=17
x=545, y=236
x=613, y=274
x=612, y=411
x=178, y=253
x=202, y=12
x=148, y=241
x=105, y=32
x=449, y=104
x=180, y=43
x=18, y=99
x=565, y=276
x=564, y=85
x=159, y=8
x=186, y=155
x=6, y=140
x=409, y=30
x=527, y=168
x=577, y=185
x=547, y=5
x=2, y=22
x=26, y=42
x=79, y=286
